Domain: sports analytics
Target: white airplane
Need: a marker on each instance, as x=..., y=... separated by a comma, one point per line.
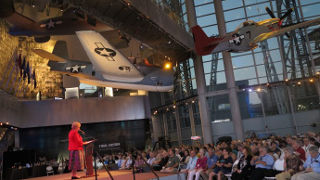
x=110, y=68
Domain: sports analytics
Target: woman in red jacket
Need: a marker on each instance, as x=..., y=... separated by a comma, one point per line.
x=76, y=156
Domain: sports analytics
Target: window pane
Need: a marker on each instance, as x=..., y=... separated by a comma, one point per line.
x=257, y=9
x=244, y=73
x=242, y=61
x=199, y=2
x=207, y=20
x=234, y=14
x=230, y=4
x=206, y=9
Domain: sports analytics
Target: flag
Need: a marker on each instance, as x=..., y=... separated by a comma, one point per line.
x=34, y=78
x=28, y=72
x=18, y=63
x=23, y=65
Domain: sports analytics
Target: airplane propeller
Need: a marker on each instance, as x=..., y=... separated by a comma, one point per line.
x=281, y=18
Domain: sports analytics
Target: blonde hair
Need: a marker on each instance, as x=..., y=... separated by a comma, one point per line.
x=75, y=124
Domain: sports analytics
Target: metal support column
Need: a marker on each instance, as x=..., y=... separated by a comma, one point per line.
x=233, y=97
x=156, y=128
x=201, y=82
x=164, y=118
x=176, y=110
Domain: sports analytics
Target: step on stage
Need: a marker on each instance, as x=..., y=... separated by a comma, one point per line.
x=103, y=175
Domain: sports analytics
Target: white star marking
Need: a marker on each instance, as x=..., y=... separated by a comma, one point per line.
x=104, y=52
x=50, y=24
x=75, y=68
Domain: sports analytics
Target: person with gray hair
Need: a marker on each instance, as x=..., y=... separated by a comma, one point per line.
x=311, y=166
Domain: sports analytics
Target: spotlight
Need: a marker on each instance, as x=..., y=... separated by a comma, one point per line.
x=167, y=65
x=155, y=112
x=259, y=89
x=192, y=101
x=7, y=123
x=286, y=80
x=318, y=73
x=174, y=106
x=250, y=90
x=299, y=83
x=311, y=80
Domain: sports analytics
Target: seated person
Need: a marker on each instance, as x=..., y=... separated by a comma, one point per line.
x=242, y=169
x=191, y=163
x=185, y=159
x=172, y=164
x=212, y=160
x=201, y=165
x=223, y=165
x=298, y=150
x=263, y=164
x=152, y=158
x=291, y=165
x=139, y=163
x=311, y=166
x=121, y=161
x=161, y=160
x=128, y=163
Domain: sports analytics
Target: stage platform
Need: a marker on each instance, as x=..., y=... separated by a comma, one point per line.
x=103, y=175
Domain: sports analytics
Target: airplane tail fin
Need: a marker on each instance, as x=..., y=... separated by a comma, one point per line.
x=203, y=44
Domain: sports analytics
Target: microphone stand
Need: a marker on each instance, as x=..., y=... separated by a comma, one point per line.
x=133, y=171
x=157, y=176
x=95, y=155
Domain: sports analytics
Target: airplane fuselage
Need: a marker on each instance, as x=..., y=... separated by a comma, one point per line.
x=239, y=40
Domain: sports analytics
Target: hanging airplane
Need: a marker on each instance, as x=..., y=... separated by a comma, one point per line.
x=247, y=35
x=108, y=67
x=71, y=20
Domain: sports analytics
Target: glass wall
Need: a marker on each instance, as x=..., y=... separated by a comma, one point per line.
x=267, y=76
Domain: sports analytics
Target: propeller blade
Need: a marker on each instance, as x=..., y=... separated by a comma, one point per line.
x=270, y=12
x=286, y=14
x=287, y=34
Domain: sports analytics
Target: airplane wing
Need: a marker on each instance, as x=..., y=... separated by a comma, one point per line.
x=48, y=55
x=108, y=60
x=268, y=35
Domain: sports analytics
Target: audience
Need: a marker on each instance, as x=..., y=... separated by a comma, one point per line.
x=191, y=163
x=242, y=167
x=201, y=165
x=292, y=164
x=263, y=164
x=311, y=166
x=172, y=164
x=285, y=158
x=223, y=165
x=298, y=150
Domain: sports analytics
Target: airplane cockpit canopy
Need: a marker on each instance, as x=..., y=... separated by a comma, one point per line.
x=246, y=23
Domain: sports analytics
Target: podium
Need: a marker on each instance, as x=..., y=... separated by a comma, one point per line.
x=88, y=157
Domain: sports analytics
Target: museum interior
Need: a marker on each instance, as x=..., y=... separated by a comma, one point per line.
x=156, y=77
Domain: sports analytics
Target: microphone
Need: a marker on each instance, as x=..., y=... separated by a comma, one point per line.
x=82, y=132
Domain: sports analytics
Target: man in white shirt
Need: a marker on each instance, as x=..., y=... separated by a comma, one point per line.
x=151, y=159
x=191, y=163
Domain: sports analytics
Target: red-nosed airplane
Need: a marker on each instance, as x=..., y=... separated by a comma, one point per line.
x=246, y=36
